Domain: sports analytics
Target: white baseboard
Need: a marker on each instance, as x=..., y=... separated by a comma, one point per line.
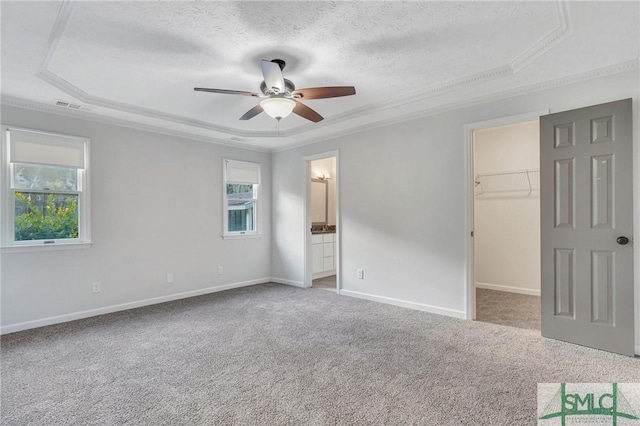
x=530, y=292
x=287, y=282
x=405, y=304
x=12, y=328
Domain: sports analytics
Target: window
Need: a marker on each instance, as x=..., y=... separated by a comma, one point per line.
x=241, y=183
x=45, y=198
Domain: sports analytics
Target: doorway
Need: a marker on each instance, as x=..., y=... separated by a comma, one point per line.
x=506, y=224
x=322, y=223
x=469, y=129
x=587, y=298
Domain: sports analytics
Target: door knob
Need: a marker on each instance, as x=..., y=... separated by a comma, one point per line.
x=622, y=240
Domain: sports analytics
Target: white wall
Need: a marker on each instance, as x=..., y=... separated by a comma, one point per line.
x=327, y=166
x=407, y=227
x=156, y=209
x=506, y=215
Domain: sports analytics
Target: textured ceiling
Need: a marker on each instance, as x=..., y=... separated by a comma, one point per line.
x=138, y=62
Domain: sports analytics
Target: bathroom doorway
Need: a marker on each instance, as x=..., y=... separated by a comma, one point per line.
x=322, y=230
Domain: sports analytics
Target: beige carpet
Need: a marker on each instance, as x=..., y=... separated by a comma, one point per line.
x=510, y=309
x=326, y=283
x=278, y=355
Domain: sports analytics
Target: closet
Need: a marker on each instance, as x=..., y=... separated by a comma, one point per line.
x=507, y=223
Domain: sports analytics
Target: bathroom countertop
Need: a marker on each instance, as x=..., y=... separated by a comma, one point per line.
x=323, y=232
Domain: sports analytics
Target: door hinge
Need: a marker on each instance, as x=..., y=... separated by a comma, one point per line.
x=472, y=233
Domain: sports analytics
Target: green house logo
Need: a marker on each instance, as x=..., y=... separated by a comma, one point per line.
x=588, y=404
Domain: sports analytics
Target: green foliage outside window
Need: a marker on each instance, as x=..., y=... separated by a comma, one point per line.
x=45, y=216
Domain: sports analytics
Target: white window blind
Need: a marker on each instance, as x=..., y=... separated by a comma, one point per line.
x=39, y=148
x=242, y=172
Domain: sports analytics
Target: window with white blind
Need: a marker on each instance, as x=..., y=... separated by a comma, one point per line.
x=45, y=190
x=240, y=192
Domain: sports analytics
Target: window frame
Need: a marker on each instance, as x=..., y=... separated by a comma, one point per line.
x=256, y=202
x=7, y=213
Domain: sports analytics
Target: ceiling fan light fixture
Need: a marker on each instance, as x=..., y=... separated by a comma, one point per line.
x=278, y=108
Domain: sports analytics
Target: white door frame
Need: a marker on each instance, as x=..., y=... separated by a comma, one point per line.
x=470, y=294
x=308, y=261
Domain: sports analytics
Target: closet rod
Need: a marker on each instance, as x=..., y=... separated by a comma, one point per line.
x=527, y=173
x=479, y=175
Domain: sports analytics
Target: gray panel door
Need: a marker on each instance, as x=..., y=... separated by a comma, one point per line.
x=586, y=216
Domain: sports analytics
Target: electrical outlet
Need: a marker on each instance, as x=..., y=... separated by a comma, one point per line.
x=97, y=287
x=169, y=278
x=360, y=273
x=220, y=270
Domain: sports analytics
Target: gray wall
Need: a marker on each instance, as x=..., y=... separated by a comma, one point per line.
x=403, y=199
x=156, y=207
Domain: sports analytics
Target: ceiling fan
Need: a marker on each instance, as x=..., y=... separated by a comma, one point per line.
x=280, y=95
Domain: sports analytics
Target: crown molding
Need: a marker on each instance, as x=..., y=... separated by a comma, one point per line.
x=519, y=62
x=597, y=73
x=72, y=90
x=58, y=82
x=64, y=13
x=480, y=77
x=83, y=115
x=543, y=45
x=546, y=43
x=626, y=66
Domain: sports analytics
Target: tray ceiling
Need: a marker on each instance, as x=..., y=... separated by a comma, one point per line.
x=137, y=62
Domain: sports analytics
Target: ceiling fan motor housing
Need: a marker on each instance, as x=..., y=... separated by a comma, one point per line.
x=289, y=87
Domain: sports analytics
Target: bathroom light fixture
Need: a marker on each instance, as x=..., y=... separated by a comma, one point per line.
x=277, y=108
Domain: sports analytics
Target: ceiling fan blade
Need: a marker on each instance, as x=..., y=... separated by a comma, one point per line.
x=252, y=112
x=305, y=112
x=324, y=92
x=225, y=92
x=272, y=75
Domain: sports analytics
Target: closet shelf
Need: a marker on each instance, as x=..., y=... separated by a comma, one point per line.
x=518, y=181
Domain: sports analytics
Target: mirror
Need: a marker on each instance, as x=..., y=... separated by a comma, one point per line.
x=319, y=197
